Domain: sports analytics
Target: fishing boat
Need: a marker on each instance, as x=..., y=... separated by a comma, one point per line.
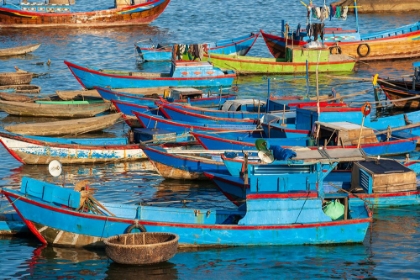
x=165, y=51
x=178, y=95
x=398, y=43
x=182, y=74
x=18, y=50
x=249, y=108
x=297, y=60
x=178, y=114
x=403, y=94
x=379, y=182
x=327, y=134
x=191, y=166
x=93, y=93
x=153, y=121
x=127, y=108
x=57, y=109
x=289, y=216
x=68, y=14
x=65, y=127
x=43, y=150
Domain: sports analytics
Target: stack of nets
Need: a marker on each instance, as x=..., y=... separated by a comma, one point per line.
x=87, y=202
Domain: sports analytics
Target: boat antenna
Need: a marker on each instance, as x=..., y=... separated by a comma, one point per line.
x=356, y=15
x=268, y=95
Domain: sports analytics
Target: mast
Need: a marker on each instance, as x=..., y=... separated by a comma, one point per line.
x=357, y=17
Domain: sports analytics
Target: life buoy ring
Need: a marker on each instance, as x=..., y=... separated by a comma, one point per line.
x=359, y=49
x=135, y=226
x=366, y=108
x=336, y=48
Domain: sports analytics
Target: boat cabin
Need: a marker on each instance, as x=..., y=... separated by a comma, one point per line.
x=194, y=69
x=244, y=105
x=185, y=94
x=343, y=134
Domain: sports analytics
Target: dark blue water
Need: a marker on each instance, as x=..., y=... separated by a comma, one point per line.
x=391, y=248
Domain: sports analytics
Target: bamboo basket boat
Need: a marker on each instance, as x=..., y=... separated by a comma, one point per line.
x=142, y=247
x=12, y=78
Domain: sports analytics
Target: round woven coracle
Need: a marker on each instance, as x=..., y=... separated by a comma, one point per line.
x=12, y=78
x=141, y=248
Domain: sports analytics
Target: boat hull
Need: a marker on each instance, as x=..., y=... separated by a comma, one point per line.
x=173, y=166
x=369, y=48
x=256, y=65
x=90, y=78
x=12, y=16
x=65, y=227
x=29, y=151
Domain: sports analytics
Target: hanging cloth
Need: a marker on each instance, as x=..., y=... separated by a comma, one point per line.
x=324, y=13
x=338, y=12
x=332, y=11
x=345, y=11
x=318, y=12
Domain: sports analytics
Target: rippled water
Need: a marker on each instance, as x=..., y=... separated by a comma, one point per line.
x=391, y=248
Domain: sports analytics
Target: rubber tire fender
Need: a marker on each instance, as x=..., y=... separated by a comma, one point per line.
x=335, y=47
x=358, y=50
x=135, y=226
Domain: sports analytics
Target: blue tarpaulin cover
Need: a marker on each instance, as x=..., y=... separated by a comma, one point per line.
x=280, y=153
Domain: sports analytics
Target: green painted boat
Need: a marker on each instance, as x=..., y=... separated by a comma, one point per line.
x=295, y=62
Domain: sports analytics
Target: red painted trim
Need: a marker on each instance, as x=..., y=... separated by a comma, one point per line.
x=66, y=146
x=383, y=195
x=28, y=223
x=283, y=195
x=18, y=158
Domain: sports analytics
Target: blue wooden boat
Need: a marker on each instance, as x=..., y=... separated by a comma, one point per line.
x=290, y=216
x=127, y=109
x=178, y=95
x=234, y=108
x=404, y=122
x=164, y=51
x=153, y=121
x=242, y=140
x=397, y=188
x=42, y=150
x=189, y=166
x=10, y=222
x=178, y=114
x=253, y=108
x=182, y=74
x=332, y=135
